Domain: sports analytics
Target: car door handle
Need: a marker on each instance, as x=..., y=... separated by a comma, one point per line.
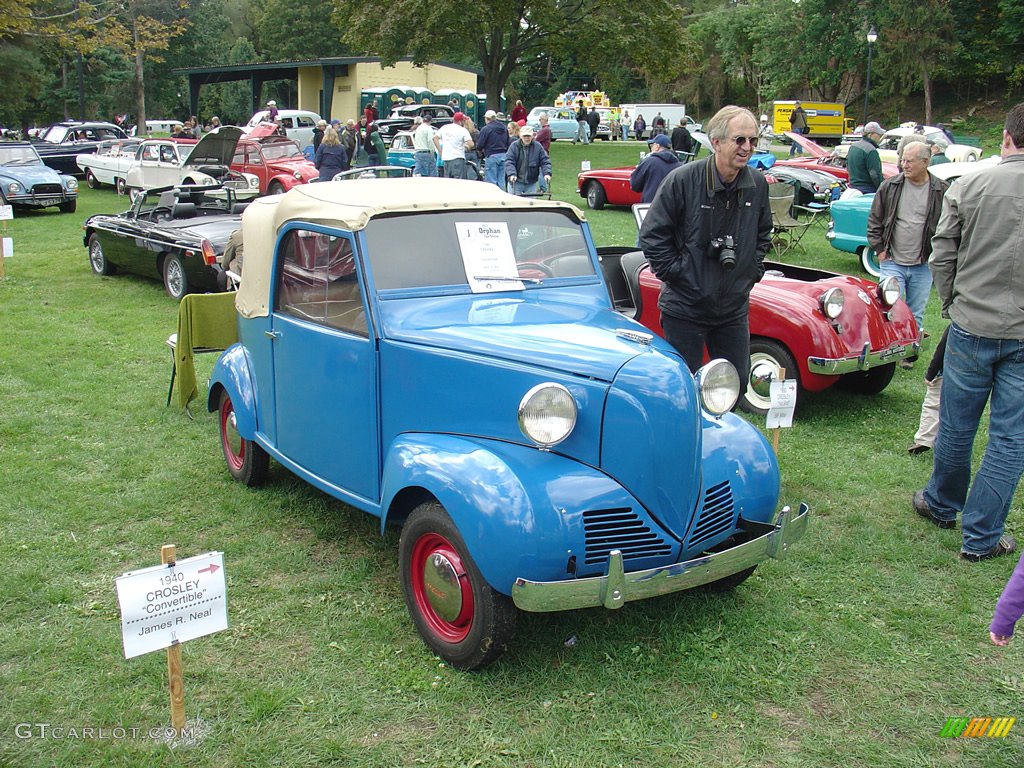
x=272, y=334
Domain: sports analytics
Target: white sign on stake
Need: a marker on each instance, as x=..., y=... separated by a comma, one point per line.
x=584, y=165
x=783, y=395
x=7, y=246
x=6, y=212
x=169, y=604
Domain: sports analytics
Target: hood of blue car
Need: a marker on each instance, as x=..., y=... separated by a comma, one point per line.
x=559, y=335
x=30, y=175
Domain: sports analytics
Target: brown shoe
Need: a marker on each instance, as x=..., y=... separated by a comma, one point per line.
x=922, y=508
x=1004, y=546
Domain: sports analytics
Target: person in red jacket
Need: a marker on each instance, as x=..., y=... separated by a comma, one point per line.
x=518, y=112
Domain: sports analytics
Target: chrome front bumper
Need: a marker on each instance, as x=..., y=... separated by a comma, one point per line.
x=866, y=360
x=616, y=587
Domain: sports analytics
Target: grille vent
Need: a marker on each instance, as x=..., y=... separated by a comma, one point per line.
x=621, y=529
x=717, y=515
x=47, y=189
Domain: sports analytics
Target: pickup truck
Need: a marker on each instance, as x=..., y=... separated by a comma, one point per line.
x=402, y=118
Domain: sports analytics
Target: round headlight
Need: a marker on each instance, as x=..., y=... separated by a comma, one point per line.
x=298, y=175
x=832, y=302
x=14, y=188
x=889, y=291
x=719, y=386
x=72, y=183
x=547, y=414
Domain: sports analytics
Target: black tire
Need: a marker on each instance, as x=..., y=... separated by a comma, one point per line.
x=90, y=180
x=767, y=358
x=276, y=188
x=69, y=206
x=247, y=462
x=121, y=186
x=175, y=279
x=869, y=260
x=869, y=382
x=596, y=198
x=730, y=583
x=469, y=627
x=97, y=258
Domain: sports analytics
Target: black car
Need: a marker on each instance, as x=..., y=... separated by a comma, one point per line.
x=177, y=234
x=62, y=143
x=402, y=118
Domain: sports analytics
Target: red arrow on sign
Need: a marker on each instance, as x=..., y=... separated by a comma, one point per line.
x=211, y=569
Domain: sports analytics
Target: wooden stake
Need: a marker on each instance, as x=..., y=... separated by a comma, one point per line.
x=174, y=680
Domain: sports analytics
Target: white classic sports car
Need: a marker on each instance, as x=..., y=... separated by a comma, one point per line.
x=165, y=163
x=109, y=164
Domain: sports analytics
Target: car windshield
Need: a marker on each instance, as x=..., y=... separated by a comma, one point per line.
x=543, y=245
x=279, y=150
x=55, y=133
x=212, y=199
x=19, y=155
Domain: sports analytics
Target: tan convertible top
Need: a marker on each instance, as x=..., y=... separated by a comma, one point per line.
x=349, y=205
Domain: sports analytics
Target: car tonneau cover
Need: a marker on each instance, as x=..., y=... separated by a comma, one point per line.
x=350, y=205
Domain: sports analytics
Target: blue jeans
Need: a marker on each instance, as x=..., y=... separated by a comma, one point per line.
x=915, y=286
x=494, y=170
x=973, y=369
x=520, y=187
x=794, y=148
x=426, y=163
x=455, y=169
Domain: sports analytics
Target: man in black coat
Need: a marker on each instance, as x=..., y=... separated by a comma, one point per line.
x=706, y=236
x=659, y=163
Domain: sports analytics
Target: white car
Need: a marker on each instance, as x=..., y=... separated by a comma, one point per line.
x=956, y=152
x=298, y=124
x=110, y=163
x=165, y=163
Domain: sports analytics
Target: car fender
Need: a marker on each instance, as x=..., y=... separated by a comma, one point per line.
x=286, y=180
x=518, y=509
x=232, y=373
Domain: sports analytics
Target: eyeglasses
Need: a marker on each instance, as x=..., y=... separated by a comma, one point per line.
x=741, y=140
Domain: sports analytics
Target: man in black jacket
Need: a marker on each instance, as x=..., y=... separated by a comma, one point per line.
x=706, y=236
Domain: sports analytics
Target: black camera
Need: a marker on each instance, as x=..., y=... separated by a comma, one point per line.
x=724, y=248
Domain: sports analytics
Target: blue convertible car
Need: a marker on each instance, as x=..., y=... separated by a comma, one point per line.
x=539, y=450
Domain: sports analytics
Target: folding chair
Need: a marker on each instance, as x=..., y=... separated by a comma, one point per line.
x=207, y=322
x=786, y=230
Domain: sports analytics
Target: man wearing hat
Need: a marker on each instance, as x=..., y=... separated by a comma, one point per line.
x=271, y=111
x=764, y=135
x=318, y=133
x=525, y=163
x=455, y=140
x=425, y=146
x=652, y=170
x=939, y=147
x=492, y=143
x=863, y=162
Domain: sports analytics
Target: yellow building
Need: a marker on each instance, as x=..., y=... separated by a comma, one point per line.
x=332, y=87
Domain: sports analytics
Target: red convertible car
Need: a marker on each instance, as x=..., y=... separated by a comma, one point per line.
x=276, y=161
x=823, y=328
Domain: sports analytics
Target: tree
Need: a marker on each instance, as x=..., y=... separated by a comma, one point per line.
x=501, y=36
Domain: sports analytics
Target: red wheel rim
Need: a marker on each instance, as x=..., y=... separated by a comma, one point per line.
x=234, y=456
x=431, y=546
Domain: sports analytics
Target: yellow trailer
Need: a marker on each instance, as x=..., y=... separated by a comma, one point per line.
x=826, y=120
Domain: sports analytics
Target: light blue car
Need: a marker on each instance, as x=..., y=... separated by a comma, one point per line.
x=561, y=121
x=27, y=183
x=848, y=230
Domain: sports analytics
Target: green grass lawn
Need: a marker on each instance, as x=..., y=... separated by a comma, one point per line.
x=852, y=652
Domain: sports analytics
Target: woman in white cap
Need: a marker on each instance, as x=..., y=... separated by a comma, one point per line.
x=271, y=111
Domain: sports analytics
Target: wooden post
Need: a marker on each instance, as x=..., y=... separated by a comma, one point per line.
x=777, y=430
x=174, y=680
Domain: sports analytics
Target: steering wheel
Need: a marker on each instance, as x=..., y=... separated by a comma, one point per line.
x=544, y=269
